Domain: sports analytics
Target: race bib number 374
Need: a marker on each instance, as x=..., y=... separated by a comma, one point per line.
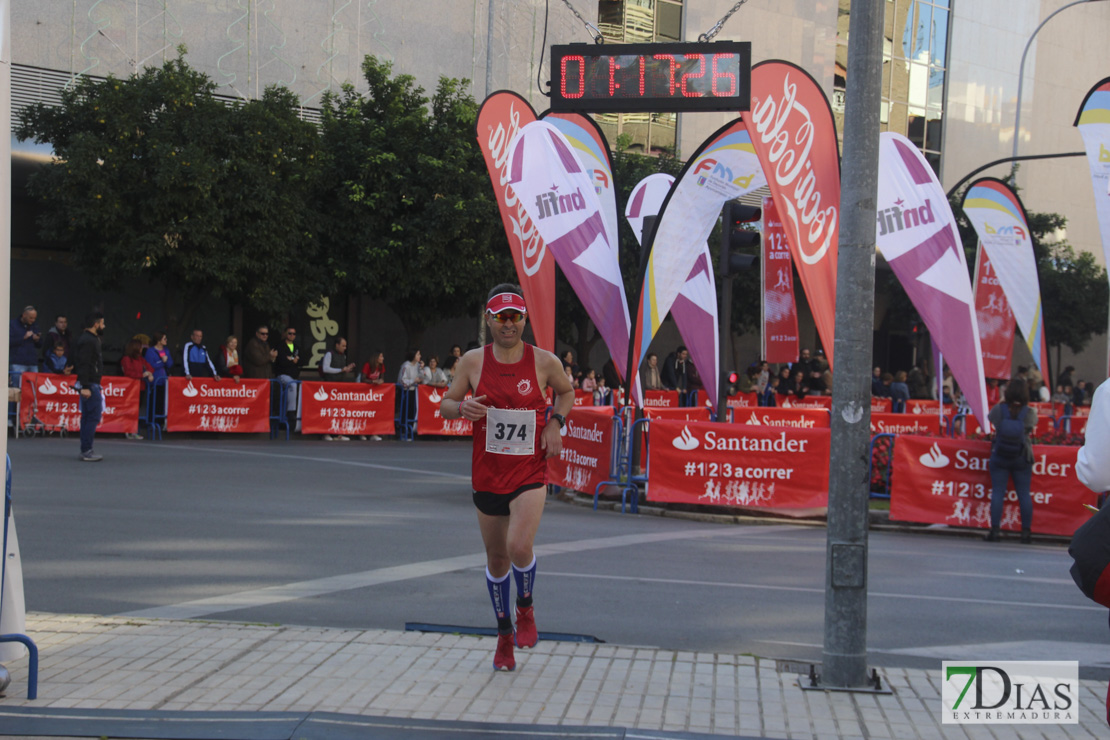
x=511, y=431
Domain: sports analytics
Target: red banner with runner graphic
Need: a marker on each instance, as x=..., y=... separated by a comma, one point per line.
x=430, y=421
x=808, y=402
x=52, y=400
x=780, y=311
x=947, y=481
x=733, y=465
x=209, y=405
x=905, y=424
x=358, y=409
x=996, y=321
x=585, y=459
x=769, y=416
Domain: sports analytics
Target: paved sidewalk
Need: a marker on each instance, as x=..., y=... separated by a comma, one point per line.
x=115, y=663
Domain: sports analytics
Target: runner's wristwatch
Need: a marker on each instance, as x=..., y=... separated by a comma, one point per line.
x=561, y=419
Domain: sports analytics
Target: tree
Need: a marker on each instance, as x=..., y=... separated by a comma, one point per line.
x=413, y=221
x=157, y=178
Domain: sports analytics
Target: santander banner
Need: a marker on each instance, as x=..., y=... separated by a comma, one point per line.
x=917, y=234
x=585, y=459
x=732, y=465
x=743, y=400
x=794, y=134
x=208, y=405
x=347, y=408
x=905, y=424
x=881, y=405
x=429, y=420
x=768, y=416
x=500, y=119
x=996, y=320
x=809, y=402
x=660, y=399
x=54, y=401
x=947, y=481
x=558, y=193
x=780, y=313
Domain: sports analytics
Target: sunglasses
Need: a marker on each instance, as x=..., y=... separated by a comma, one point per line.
x=509, y=317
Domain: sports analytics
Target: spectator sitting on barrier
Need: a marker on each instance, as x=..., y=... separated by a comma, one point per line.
x=650, y=379
x=57, y=362
x=55, y=335
x=589, y=381
x=899, y=391
x=1062, y=395
x=434, y=375
x=229, y=359
x=373, y=370
x=258, y=356
x=334, y=367
x=134, y=365
x=197, y=363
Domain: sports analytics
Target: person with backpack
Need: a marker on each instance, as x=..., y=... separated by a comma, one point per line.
x=1012, y=456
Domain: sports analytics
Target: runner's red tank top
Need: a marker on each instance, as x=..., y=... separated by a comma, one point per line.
x=509, y=386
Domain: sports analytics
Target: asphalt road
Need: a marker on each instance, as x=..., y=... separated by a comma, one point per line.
x=375, y=535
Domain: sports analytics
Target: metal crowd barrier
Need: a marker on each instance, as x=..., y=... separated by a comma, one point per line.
x=405, y=419
x=32, y=650
x=279, y=407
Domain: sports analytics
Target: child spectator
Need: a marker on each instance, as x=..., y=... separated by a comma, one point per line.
x=56, y=361
x=590, y=381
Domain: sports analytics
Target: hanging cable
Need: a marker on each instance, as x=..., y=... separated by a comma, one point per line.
x=543, y=47
x=598, y=38
x=708, y=35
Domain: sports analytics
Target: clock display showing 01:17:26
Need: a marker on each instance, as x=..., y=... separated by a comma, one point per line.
x=631, y=77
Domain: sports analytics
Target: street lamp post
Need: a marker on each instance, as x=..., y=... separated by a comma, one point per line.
x=1021, y=78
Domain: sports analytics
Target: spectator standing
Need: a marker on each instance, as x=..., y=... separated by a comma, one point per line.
x=877, y=382
x=675, y=370
x=918, y=382
x=764, y=378
x=24, y=342
x=649, y=374
x=609, y=372
x=229, y=359
x=575, y=371
x=899, y=392
x=434, y=375
x=411, y=373
x=58, y=334
x=258, y=356
x=589, y=381
x=89, y=365
x=804, y=363
x=196, y=361
x=373, y=370
x=160, y=359
x=1012, y=456
x=1065, y=377
x=1079, y=393
x=134, y=365
x=56, y=362
x=334, y=367
x=287, y=369
x=994, y=393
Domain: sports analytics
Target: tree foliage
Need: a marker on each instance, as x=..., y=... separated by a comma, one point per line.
x=411, y=216
x=157, y=178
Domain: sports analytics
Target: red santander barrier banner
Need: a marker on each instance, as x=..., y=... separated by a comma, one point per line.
x=921, y=406
x=581, y=397
x=1074, y=424
x=971, y=427
x=587, y=446
x=686, y=413
x=809, y=402
x=347, y=408
x=905, y=424
x=732, y=465
x=429, y=420
x=769, y=416
x=660, y=399
x=947, y=481
x=208, y=405
x=54, y=401
x=743, y=400
x=881, y=405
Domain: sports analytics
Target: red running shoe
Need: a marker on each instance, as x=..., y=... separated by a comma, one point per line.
x=526, y=636
x=503, y=659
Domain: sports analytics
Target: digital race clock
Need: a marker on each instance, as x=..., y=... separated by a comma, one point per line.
x=638, y=78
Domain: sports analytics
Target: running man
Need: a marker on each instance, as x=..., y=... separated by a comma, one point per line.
x=509, y=379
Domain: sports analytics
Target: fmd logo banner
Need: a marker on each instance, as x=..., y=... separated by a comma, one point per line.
x=1010, y=692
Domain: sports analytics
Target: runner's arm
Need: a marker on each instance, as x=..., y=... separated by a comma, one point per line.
x=451, y=407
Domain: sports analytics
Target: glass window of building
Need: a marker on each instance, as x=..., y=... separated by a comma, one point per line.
x=640, y=21
x=915, y=57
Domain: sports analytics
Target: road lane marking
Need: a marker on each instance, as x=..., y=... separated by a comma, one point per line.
x=321, y=586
